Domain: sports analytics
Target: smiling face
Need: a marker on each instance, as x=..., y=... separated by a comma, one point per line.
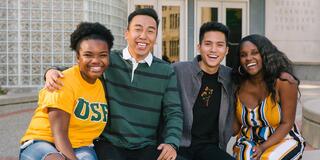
x=213, y=49
x=141, y=36
x=93, y=59
x=250, y=58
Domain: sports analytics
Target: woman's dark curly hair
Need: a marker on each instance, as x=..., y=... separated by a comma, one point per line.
x=274, y=63
x=88, y=30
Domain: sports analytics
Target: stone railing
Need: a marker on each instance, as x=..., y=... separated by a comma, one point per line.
x=311, y=122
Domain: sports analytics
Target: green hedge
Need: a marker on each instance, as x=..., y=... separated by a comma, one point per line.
x=3, y=91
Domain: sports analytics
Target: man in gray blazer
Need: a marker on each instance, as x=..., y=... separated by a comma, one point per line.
x=206, y=92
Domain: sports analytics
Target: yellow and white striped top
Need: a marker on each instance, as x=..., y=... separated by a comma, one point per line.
x=258, y=124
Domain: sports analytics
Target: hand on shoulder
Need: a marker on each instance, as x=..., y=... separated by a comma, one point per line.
x=285, y=76
x=287, y=86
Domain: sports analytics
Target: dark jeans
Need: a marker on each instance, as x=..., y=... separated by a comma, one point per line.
x=106, y=151
x=203, y=152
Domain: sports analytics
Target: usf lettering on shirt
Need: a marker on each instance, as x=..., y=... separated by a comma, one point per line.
x=95, y=112
x=85, y=102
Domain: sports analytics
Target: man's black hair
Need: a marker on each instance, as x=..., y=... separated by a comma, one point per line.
x=146, y=12
x=213, y=26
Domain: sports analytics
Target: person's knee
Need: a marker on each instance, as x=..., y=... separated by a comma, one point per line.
x=86, y=156
x=86, y=153
x=54, y=156
x=36, y=150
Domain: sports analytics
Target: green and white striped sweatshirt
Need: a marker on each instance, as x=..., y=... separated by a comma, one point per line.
x=139, y=108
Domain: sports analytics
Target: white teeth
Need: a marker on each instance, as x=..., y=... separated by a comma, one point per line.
x=96, y=69
x=213, y=56
x=142, y=44
x=251, y=64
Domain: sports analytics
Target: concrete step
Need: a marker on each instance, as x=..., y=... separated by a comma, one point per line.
x=311, y=122
x=18, y=98
x=311, y=155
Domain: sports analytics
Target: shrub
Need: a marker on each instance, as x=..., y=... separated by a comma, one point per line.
x=3, y=91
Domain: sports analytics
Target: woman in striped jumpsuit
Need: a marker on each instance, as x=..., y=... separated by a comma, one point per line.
x=266, y=103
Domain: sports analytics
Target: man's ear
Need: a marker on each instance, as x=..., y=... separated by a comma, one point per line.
x=198, y=47
x=227, y=52
x=126, y=34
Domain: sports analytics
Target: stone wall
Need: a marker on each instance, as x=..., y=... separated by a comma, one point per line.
x=293, y=25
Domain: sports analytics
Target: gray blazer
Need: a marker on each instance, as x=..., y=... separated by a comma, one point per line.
x=189, y=77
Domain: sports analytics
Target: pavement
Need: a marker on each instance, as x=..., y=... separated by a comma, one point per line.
x=14, y=119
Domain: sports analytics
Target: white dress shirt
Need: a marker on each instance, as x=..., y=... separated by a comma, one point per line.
x=127, y=56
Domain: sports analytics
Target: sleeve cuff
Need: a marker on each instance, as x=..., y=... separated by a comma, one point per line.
x=174, y=146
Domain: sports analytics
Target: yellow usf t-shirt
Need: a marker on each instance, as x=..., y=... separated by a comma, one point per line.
x=85, y=103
